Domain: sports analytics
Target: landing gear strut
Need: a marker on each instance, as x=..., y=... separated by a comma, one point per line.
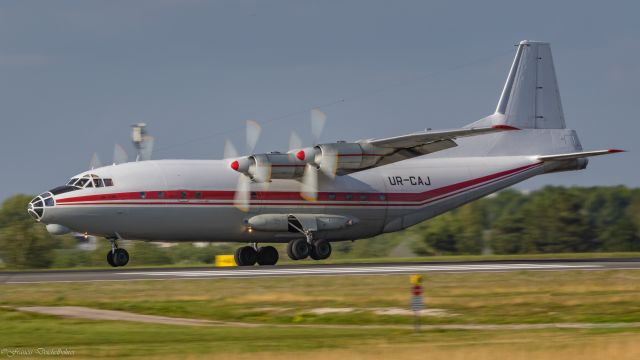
x=117, y=256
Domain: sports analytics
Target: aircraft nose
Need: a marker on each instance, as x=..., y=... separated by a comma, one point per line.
x=38, y=205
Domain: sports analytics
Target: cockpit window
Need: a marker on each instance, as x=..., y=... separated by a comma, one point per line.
x=86, y=181
x=81, y=182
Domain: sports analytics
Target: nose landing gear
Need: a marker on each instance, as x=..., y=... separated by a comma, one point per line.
x=117, y=256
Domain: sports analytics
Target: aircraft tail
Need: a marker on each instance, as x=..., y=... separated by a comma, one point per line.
x=530, y=101
x=530, y=98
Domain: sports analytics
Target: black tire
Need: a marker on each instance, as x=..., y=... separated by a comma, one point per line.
x=298, y=249
x=120, y=257
x=320, y=250
x=245, y=256
x=267, y=255
x=110, y=258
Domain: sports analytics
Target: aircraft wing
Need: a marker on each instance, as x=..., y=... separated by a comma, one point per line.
x=430, y=137
x=417, y=144
x=578, y=155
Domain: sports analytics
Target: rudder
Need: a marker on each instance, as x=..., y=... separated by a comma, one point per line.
x=530, y=98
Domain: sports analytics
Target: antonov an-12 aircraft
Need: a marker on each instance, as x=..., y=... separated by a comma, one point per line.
x=310, y=197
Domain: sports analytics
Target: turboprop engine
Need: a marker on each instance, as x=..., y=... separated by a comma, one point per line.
x=328, y=158
x=332, y=158
x=264, y=167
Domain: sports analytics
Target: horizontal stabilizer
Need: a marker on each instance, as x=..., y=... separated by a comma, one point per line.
x=578, y=155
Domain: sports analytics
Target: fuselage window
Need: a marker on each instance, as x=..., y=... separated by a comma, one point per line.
x=183, y=194
x=108, y=182
x=142, y=195
x=160, y=194
x=363, y=197
x=332, y=196
x=348, y=196
x=198, y=195
x=382, y=197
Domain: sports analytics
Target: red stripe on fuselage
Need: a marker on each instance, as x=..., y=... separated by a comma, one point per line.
x=172, y=197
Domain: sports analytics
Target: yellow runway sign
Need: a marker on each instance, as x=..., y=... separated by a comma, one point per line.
x=225, y=260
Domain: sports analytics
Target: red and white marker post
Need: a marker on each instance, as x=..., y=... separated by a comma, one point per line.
x=417, y=302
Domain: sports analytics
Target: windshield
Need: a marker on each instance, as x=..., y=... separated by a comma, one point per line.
x=86, y=181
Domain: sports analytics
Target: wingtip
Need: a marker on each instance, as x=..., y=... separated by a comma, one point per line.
x=612, y=151
x=505, y=127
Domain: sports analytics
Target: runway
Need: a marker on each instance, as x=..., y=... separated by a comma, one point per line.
x=136, y=274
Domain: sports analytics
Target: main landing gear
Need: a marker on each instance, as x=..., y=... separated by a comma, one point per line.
x=250, y=255
x=297, y=249
x=301, y=249
x=117, y=256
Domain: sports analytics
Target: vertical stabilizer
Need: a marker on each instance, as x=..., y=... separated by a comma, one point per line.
x=530, y=98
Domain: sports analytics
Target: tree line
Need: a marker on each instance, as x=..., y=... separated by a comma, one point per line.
x=549, y=220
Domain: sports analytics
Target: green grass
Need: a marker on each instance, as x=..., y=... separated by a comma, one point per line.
x=485, y=298
x=110, y=339
x=470, y=298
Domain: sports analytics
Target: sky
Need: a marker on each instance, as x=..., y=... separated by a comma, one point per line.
x=74, y=76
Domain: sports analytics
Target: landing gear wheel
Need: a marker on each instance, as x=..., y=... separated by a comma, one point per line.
x=245, y=256
x=120, y=257
x=320, y=250
x=267, y=255
x=298, y=249
x=110, y=259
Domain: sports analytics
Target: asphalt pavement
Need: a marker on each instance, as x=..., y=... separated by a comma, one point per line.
x=311, y=269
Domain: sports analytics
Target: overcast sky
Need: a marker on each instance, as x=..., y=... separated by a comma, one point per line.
x=74, y=75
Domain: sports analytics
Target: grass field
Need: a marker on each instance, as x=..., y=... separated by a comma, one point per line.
x=326, y=304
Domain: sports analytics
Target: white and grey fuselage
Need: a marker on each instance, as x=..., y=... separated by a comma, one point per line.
x=193, y=200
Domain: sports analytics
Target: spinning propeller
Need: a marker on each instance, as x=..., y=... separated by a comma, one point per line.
x=317, y=159
x=257, y=167
x=246, y=165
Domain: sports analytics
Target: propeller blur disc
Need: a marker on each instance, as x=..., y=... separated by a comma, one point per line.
x=241, y=197
x=253, y=134
x=309, y=189
x=318, y=120
x=295, y=142
x=95, y=161
x=119, y=155
x=230, y=151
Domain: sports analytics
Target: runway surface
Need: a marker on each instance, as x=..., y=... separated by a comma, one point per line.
x=124, y=274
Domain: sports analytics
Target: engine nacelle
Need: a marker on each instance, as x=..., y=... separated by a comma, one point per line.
x=350, y=156
x=264, y=167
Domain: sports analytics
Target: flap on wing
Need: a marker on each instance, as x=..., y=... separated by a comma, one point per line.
x=578, y=155
x=427, y=137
